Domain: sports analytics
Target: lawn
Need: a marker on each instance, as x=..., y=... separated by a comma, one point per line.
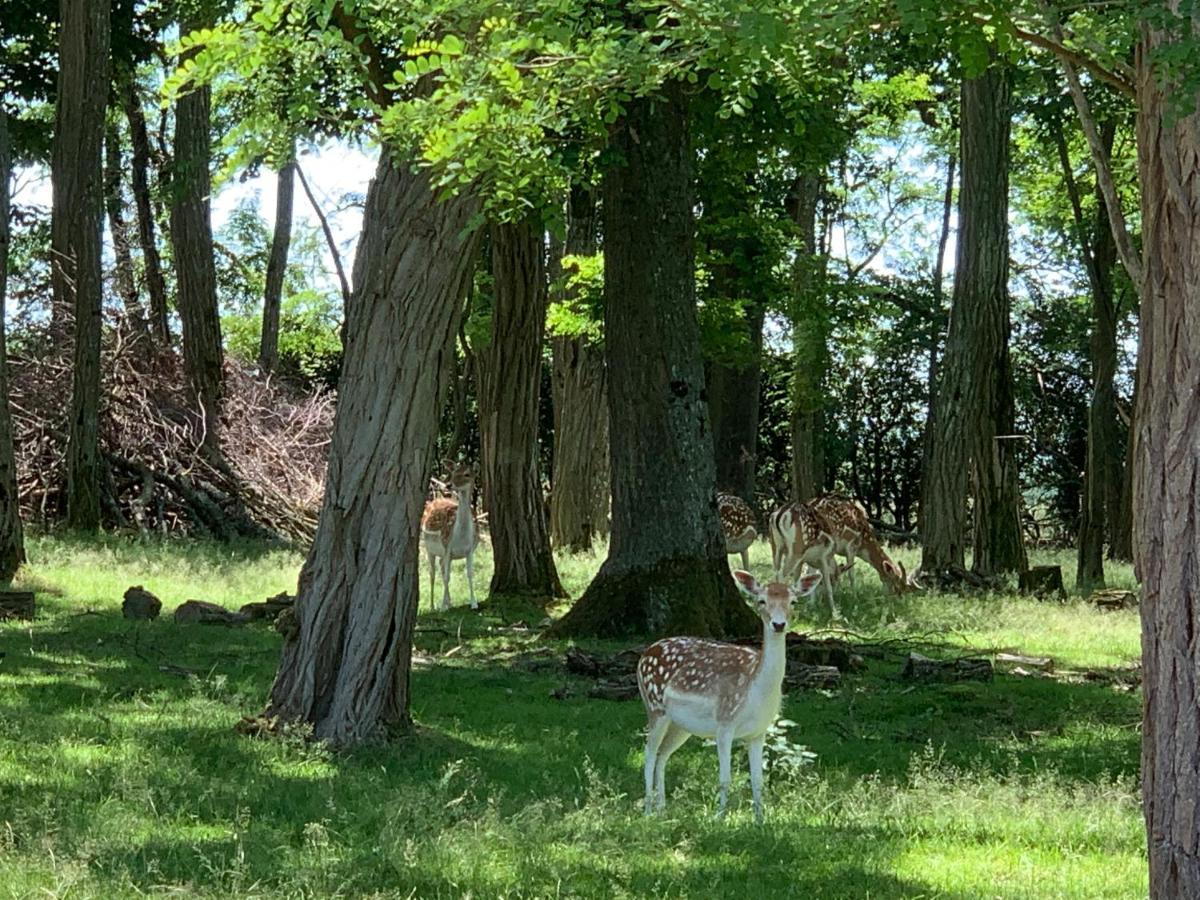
x=121, y=774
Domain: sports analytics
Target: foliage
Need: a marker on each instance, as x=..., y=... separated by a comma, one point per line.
x=578, y=310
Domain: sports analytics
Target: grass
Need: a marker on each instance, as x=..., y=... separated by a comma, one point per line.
x=121, y=779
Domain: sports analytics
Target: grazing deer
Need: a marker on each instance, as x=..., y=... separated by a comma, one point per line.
x=717, y=690
x=798, y=536
x=449, y=531
x=737, y=523
x=846, y=522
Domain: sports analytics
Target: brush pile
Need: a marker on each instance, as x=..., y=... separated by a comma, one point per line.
x=266, y=482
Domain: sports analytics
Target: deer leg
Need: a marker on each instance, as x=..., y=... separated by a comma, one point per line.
x=446, y=579
x=471, y=578
x=654, y=738
x=755, y=751
x=676, y=737
x=432, y=581
x=827, y=581
x=724, y=768
x=746, y=560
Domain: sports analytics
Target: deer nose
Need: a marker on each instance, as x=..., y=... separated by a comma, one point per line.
x=779, y=626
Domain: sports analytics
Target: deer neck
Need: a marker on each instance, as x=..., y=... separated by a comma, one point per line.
x=463, y=522
x=875, y=555
x=772, y=660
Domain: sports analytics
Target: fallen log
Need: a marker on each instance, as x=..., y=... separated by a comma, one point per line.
x=268, y=609
x=922, y=668
x=1042, y=663
x=801, y=677
x=16, y=604
x=201, y=612
x=1113, y=599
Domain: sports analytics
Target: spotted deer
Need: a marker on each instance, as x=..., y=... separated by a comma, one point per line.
x=798, y=537
x=738, y=525
x=846, y=522
x=717, y=690
x=449, y=531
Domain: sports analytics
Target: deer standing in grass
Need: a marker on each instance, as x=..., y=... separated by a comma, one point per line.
x=717, y=690
x=846, y=521
x=449, y=531
x=798, y=536
x=737, y=523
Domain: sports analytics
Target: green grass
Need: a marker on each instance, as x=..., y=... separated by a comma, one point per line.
x=119, y=778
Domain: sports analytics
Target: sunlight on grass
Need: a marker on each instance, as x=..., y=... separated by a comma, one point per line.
x=121, y=775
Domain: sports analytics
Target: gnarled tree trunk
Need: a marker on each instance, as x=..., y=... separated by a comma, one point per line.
x=12, y=535
x=195, y=268
x=1167, y=462
x=268, y=350
x=579, y=490
x=76, y=223
x=666, y=571
x=974, y=417
x=345, y=670
x=510, y=369
x=139, y=140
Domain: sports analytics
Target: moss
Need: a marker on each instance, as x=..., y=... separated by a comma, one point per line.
x=677, y=596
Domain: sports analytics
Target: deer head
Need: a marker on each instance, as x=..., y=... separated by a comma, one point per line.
x=898, y=580
x=775, y=602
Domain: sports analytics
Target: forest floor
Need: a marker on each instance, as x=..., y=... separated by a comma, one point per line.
x=121, y=773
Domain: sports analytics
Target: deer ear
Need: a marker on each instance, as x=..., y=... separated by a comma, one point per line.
x=747, y=584
x=891, y=568
x=807, y=584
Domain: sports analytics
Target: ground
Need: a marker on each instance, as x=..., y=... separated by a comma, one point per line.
x=121, y=774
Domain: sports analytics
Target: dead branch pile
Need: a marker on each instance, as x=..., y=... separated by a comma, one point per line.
x=267, y=481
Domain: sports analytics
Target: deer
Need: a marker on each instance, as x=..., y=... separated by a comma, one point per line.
x=449, y=531
x=846, y=522
x=798, y=536
x=737, y=524
x=718, y=690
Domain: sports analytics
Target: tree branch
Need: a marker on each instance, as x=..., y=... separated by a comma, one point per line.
x=333, y=250
x=1117, y=80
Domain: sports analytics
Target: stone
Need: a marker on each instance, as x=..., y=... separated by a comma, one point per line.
x=139, y=603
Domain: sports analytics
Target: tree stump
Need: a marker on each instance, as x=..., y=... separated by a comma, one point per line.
x=1042, y=581
x=139, y=603
x=922, y=668
x=16, y=605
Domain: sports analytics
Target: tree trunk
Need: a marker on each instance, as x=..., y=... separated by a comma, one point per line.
x=1120, y=542
x=114, y=203
x=810, y=342
x=268, y=351
x=1102, y=484
x=974, y=415
x=1167, y=462
x=345, y=670
x=937, y=324
x=76, y=223
x=12, y=536
x=139, y=140
x=666, y=571
x=511, y=369
x=579, y=490
x=195, y=270
x=733, y=399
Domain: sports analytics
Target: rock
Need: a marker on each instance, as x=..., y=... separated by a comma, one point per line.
x=16, y=605
x=140, y=604
x=269, y=609
x=1113, y=599
x=287, y=624
x=201, y=612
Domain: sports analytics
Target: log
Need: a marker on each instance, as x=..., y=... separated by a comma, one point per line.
x=615, y=689
x=811, y=678
x=1042, y=581
x=268, y=609
x=201, y=612
x=1042, y=663
x=16, y=605
x=1113, y=599
x=922, y=668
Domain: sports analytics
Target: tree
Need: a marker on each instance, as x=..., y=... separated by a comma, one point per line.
x=114, y=205
x=268, y=354
x=579, y=380
x=975, y=406
x=510, y=377
x=195, y=270
x=666, y=571
x=1166, y=453
x=12, y=535
x=78, y=210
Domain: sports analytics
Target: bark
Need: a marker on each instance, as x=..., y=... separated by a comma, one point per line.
x=114, y=204
x=733, y=403
x=666, y=571
x=345, y=670
x=1120, y=546
x=511, y=369
x=195, y=269
x=12, y=536
x=1102, y=473
x=139, y=178
x=76, y=223
x=579, y=495
x=1167, y=461
x=810, y=343
x=975, y=407
x=268, y=350
x=937, y=325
